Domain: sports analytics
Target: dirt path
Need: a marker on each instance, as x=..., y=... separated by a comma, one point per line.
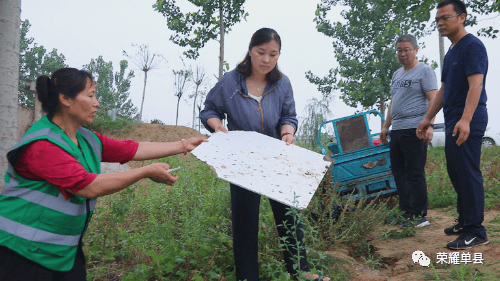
x=397, y=253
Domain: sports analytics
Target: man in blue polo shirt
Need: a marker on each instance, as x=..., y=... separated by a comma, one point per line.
x=463, y=99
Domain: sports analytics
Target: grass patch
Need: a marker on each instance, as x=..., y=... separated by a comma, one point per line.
x=409, y=231
x=441, y=193
x=496, y=219
x=155, y=232
x=470, y=272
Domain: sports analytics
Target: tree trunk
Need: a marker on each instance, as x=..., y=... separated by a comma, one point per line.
x=10, y=37
x=199, y=119
x=194, y=105
x=441, y=51
x=221, y=42
x=177, y=115
x=143, y=95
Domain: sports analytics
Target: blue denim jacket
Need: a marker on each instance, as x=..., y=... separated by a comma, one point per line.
x=230, y=96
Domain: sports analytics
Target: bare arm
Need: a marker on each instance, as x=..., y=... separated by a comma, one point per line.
x=287, y=132
x=216, y=124
x=109, y=183
x=463, y=125
x=429, y=134
x=105, y=184
x=387, y=124
x=435, y=104
x=154, y=150
x=434, y=107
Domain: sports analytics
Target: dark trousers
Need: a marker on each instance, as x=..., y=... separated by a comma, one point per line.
x=463, y=168
x=14, y=267
x=408, y=157
x=245, y=216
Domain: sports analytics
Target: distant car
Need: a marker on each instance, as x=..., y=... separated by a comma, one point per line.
x=490, y=138
x=438, y=136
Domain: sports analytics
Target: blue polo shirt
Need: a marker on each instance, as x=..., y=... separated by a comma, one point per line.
x=467, y=57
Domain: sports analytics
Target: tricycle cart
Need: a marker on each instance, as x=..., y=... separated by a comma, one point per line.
x=360, y=168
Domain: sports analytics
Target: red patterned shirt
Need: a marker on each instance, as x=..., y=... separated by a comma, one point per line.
x=43, y=160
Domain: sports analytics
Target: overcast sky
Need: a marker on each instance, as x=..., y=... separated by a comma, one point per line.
x=83, y=30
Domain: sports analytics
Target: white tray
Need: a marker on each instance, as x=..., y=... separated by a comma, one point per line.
x=267, y=166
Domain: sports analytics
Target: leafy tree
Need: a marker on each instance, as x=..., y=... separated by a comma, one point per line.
x=199, y=78
x=200, y=102
x=145, y=61
x=103, y=75
x=33, y=62
x=364, y=47
x=316, y=112
x=364, y=44
x=195, y=29
x=482, y=7
x=112, y=88
x=124, y=104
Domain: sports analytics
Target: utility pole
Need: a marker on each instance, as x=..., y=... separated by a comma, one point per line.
x=441, y=51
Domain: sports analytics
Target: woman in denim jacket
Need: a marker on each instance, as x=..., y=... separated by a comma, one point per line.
x=257, y=97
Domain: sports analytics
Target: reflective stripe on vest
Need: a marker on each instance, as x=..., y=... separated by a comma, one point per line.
x=47, y=132
x=37, y=235
x=42, y=132
x=93, y=143
x=51, y=233
x=58, y=203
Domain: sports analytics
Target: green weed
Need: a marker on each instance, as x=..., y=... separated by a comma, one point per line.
x=409, y=231
x=467, y=273
x=373, y=261
x=440, y=191
x=155, y=232
x=433, y=275
x=394, y=217
x=496, y=219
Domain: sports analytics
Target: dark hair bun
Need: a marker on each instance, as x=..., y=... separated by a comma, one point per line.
x=43, y=88
x=66, y=81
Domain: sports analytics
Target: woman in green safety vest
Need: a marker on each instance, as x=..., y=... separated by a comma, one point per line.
x=53, y=180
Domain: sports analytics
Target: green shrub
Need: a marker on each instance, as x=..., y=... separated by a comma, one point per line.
x=157, y=121
x=102, y=123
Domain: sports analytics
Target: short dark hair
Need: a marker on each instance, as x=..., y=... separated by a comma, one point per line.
x=458, y=6
x=408, y=38
x=67, y=81
x=261, y=36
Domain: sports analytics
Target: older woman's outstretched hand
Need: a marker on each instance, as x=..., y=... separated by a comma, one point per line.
x=158, y=172
x=193, y=142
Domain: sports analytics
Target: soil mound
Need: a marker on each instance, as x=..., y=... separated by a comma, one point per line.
x=155, y=133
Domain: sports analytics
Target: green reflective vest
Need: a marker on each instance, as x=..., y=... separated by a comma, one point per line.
x=36, y=221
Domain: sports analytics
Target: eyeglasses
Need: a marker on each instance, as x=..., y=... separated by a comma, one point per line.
x=445, y=18
x=400, y=52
